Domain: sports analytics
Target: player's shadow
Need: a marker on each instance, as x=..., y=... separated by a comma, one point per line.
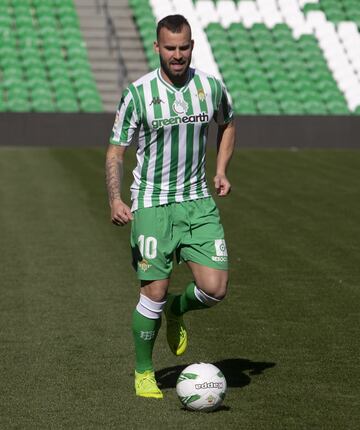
x=237, y=372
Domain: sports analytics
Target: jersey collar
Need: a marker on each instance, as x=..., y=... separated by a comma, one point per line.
x=171, y=87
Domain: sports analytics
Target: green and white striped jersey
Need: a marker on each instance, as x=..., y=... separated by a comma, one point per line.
x=172, y=126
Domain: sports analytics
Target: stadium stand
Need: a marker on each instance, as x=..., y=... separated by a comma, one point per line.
x=274, y=56
x=43, y=59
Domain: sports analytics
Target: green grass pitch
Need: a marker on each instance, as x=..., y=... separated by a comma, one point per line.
x=287, y=336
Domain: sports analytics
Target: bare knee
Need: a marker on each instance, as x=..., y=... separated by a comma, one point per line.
x=215, y=287
x=155, y=290
x=212, y=282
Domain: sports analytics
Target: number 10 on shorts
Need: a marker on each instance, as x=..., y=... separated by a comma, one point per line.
x=147, y=246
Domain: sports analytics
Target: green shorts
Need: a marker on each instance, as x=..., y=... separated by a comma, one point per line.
x=191, y=230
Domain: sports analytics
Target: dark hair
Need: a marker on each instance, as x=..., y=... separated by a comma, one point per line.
x=174, y=23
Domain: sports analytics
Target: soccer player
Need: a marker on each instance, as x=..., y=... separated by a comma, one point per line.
x=172, y=211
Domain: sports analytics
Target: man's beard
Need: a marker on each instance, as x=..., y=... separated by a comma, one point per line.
x=178, y=77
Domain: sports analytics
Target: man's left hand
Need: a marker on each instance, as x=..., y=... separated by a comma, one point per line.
x=222, y=185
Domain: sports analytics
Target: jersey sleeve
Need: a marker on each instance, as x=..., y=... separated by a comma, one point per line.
x=223, y=113
x=126, y=121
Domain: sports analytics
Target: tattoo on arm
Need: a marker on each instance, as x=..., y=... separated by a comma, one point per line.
x=114, y=174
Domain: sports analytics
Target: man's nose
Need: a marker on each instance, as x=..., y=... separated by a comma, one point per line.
x=177, y=53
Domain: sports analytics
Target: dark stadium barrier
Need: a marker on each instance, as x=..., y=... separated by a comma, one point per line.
x=93, y=129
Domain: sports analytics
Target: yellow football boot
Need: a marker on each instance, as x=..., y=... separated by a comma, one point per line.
x=176, y=333
x=146, y=386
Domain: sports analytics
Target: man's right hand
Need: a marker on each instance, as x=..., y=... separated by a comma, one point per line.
x=120, y=213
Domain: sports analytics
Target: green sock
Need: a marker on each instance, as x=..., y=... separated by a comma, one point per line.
x=187, y=301
x=145, y=331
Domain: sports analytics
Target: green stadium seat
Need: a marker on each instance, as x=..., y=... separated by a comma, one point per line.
x=281, y=31
x=91, y=105
x=257, y=84
x=232, y=75
x=263, y=94
x=154, y=63
x=276, y=74
x=69, y=21
x=237, y=86
x=302, y=85
x=328, y=96
x=10, y=61
x=43, y=105
x=36, y=72
x=84, y=83
x=12, y=72
x=291, y=107
x=337, y=107
x=287, y=95
x=57, y=72
x=309, y=7
x=282, y=85
x=73, y=34
x=268, y=107
x=18, y=105
x=237, y=32
x=41, y=92
x=259, y=31
x=87, y=91
x=24, y=22
x=64, y=93
x=245, y=106
x=326, y=85
x=271, y=65
x=47, y=21
x=55, y=62
x=309, y=94
x=315, y=107
x=44, y=9
x=77, y=51
x=34, y=82
x=248, y=61
x=65, y=9
x=5, y=21
x=67, y=105
x=263, y=44
x=62, y=81
x=17, y=91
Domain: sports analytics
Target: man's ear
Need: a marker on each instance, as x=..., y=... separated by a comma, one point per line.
x=156, y=46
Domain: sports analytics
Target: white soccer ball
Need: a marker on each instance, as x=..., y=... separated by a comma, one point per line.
x=201, y=387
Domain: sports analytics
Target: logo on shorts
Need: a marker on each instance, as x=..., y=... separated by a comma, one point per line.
x=144, y=265
x=221, y=251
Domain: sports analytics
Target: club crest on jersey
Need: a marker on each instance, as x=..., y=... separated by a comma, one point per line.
x=201, y=94
x=180, y=106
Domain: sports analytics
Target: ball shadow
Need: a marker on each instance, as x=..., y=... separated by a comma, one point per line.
x=237, y=372
x=221, y=408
